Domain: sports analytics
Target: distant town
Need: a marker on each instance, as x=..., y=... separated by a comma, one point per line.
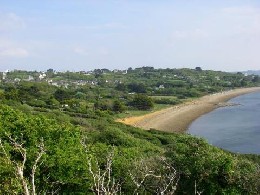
x=81, y=78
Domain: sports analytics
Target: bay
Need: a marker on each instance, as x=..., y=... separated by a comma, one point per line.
x=234, y=128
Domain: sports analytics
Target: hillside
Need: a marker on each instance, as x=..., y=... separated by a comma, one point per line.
x=58, y=135
x=116, y=91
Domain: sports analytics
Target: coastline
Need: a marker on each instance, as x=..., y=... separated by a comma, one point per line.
x=178, y=118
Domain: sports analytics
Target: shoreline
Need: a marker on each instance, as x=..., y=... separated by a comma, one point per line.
x=179, y=117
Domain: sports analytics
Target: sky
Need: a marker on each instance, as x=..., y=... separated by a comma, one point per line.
x=118, y=34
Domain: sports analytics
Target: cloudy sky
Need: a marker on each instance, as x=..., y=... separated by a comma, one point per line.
x=117, y=34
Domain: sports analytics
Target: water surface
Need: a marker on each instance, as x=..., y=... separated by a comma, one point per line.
x=234, y=128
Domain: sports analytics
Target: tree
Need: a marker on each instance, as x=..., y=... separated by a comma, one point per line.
x=136, y=87
x=120, y=87
x=28, y=184
x=11, y=93
x=199, y=69
x=130, y=69
x=256, y=79
x=73, y=103
x=102, y=180
x=52, y=102
x=22, y=153
x=142, y=102
x=50, y=70
x=118, y=106
x=155, y=175
x=80, y=95
x=61, y=95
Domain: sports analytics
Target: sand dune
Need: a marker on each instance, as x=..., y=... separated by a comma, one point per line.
x=178, y=118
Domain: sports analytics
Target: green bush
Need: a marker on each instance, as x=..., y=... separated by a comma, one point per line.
x=167, y=101
x=142, y=102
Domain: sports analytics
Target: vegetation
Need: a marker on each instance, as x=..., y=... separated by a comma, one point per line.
x=58, y=135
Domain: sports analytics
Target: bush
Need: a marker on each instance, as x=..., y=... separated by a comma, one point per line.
x=36, y=103
x=167, y=101
x=118, y=106
x=142, y=102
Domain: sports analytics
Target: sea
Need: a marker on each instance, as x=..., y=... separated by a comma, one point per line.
x=233, y=128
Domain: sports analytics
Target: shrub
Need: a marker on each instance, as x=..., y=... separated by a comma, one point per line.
x=142, y=102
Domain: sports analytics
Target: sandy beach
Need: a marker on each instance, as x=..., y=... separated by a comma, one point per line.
x=179, y=117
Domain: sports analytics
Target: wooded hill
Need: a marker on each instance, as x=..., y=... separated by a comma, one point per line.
x=58, y=135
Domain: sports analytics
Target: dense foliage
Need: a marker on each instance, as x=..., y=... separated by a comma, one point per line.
x=63, y=139
x=101, y=89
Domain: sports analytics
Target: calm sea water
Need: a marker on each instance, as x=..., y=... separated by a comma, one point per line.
x=235, y=128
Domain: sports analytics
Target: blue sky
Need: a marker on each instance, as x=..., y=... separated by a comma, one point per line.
x=117, y=34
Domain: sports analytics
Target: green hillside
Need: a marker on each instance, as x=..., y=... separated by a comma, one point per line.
x=58, y=135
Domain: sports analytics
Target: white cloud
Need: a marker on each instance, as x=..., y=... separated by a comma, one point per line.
x=14, y=52
x=10, y=22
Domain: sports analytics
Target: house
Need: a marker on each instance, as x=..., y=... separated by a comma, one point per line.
x=42, y=76
x=17, y=80
x=161, y=87
x=30, y=78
